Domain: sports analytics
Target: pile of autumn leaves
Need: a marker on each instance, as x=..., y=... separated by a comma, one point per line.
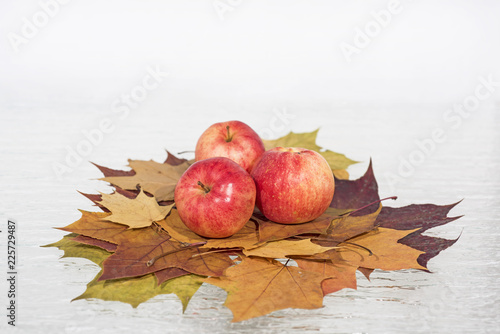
x=144, y=249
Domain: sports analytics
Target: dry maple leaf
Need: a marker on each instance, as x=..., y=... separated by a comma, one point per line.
x=156, y=178
x=147, y=250
x=332, y=227
x=173, y=160
x=349, y=226
x=271, y=231
x=137, y=290
x=93, y=225
x=284, y=248
x=423, y=217
x=139, y=212
x=357, y=193
x=380, y=250
x=366, y=272
x=97, y=198
x=72, y=248
x=337, y=276
x=354, y=194
x=133, y=291
x=109, y=172
x=108, y=246
x=247, y=237
x=258, y=286
x=178, y=230
x=305, y=140
x=169, y=273
x=159, y=253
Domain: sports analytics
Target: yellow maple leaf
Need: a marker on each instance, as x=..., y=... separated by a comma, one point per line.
x=282, y=248
x=386, y=252
x=139, y=212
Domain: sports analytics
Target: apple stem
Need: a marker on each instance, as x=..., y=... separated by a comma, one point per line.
x=229, y=137
x=205, y=188
x=375, y=202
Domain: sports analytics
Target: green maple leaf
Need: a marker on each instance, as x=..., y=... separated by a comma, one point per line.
x=133, y=291
x=307, y=140
x=75, y=249
x=137, y=290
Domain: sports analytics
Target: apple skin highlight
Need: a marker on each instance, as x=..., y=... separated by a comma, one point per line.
x=239, y=143
x=227, y=205
x=294, y=185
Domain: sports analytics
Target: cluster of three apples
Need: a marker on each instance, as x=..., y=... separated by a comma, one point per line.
x=233, y=173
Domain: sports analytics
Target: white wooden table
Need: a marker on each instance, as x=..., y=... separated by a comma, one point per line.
x=460, y=295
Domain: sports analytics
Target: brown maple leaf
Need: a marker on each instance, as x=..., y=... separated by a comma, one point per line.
x=108, y=246
x=156, y=178
x=173, y=160
x=423, y=217
x=366, y=272
x=148, y=250
x=349, y=226
x=160, y=248
x=108, y=172
x=258, y=286
x=94, y=225
x=356, y=194
x=271, y=231
x=169, y=273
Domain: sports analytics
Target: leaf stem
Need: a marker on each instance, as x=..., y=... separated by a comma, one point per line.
x=153, y=260
x=318, y=238
x=358, y=245
x=217, y=251
x=335, y=247
x=375, y=202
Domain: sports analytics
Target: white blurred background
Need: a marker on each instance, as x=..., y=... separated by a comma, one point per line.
x=414, y=85
x=235, y=53
x=67, y=65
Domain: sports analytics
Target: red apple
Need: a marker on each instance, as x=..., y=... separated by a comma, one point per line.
x=294, y=185
x=215, y=197
x=234, y=140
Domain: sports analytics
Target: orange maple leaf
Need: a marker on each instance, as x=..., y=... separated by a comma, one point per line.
x=337, y=276
x=258, y=286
